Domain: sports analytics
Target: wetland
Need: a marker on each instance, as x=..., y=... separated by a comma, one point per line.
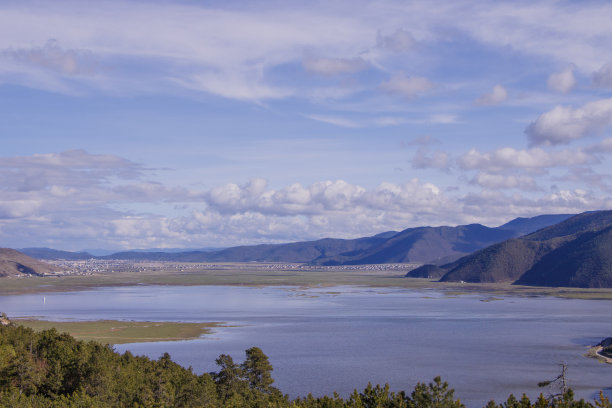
x=486, y=346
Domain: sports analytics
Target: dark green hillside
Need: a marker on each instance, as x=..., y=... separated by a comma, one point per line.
x=503, y=262
x=585, y=262
x=606, y=347
x=428, y=271
x=576, y=252
x=585, y=222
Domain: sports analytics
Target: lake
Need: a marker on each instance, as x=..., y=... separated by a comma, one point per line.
x=323, y=340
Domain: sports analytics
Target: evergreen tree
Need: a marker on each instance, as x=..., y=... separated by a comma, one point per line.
x=258, y=370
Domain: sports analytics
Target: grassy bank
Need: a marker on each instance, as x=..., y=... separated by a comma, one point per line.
x=256, y=275
x=120, y=332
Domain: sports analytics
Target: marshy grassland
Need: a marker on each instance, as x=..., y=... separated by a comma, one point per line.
x=253, y=274
x=120, y=332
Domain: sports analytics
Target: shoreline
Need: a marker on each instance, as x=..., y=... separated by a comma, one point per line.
x=255, y=276
x=595, y=352
x=607, y=360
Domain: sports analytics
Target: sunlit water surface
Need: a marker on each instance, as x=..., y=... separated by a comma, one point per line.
x=337, y=339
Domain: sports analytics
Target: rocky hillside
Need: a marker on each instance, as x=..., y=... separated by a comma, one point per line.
x=13, y=263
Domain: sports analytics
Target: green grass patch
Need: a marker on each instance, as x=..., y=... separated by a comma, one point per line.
x=120, y=332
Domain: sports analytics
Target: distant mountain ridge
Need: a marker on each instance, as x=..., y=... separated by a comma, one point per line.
x=423, y=244
x=576, y=252
x=55, y=254
x=438, y=245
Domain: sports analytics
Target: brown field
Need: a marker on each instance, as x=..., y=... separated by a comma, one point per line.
x=254, y=274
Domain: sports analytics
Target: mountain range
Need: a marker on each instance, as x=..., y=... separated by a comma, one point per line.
x=437, y=245
x=548, y=250
x=576, y=252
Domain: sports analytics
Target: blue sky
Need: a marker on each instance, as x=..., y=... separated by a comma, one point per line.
x=196, y=124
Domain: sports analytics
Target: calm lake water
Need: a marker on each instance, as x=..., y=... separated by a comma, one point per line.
x=337, y=339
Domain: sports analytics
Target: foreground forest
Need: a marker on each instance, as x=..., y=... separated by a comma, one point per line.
x=51, y=369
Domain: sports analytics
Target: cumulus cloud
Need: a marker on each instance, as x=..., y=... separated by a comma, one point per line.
x=499, y=181
x=399, y=41
x=334, y=66
x=564, y=124
x=495, y=97
x=424, y=159
x=604, y=146
x=93, y=200
x=563, y=81
x=603, y=77
x=409, y=87
x=565, y=201
x=586, y=176
x=72, y=168
x=18, y=208
x=526, y=159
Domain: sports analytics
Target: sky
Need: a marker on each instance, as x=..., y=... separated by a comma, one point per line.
x=193, y=124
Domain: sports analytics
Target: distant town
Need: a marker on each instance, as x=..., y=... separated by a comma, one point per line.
x=104, y=266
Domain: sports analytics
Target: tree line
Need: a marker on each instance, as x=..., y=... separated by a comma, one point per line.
x=51, y=369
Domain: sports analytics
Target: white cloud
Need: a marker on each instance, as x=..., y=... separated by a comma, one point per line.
x=605, y=146
x=499, y=181
x=335, y=120
x=495, y=97
x=575, y=32
x=245, y=86
x=334, y=66
x=603, y=77
x=564, y=124
x=156, y=45
x=586, y=176
x=557, y=202
x=95, y=211
x=423, y=159
x=526, y=159
x=563, y=81
x=72, y=168
x=18, y=208
x=407, y=86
